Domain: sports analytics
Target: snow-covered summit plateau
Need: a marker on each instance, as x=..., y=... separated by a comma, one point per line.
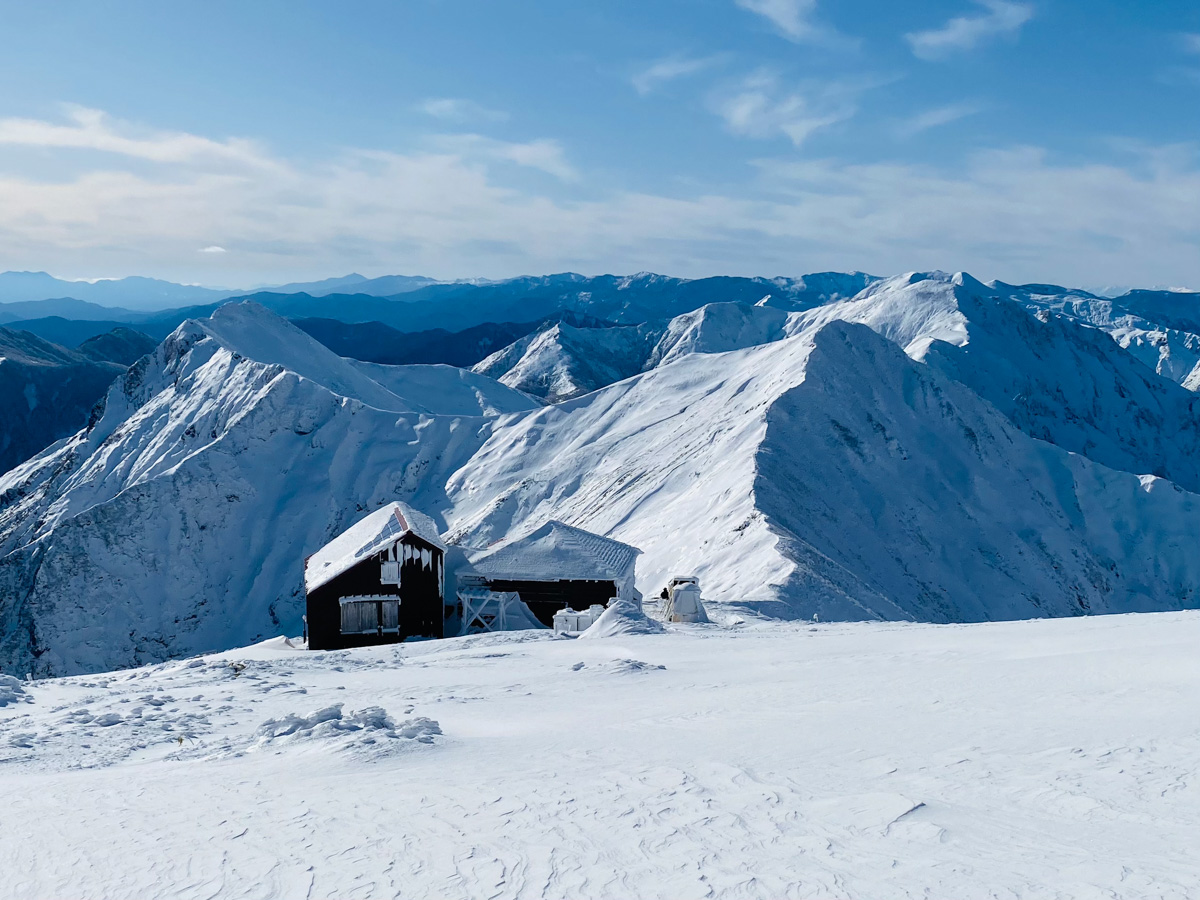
x=1035, y=759
x=934, y=449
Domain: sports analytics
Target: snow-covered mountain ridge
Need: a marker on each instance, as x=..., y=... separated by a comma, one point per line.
x=927, y=450
x=172, y=523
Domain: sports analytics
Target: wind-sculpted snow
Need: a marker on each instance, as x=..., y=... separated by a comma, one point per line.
x=1030, y=759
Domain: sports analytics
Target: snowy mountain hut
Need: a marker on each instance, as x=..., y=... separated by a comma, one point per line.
x=379, y=582
x=555, y=567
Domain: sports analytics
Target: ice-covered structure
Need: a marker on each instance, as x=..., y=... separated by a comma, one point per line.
x=683, y=603
x=380, y=581
x=553, y=568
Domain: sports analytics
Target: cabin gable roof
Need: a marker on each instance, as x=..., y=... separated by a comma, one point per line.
x=558, y=551
x=366, y=537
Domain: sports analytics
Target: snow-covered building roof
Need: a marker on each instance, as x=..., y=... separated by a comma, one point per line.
x=559, y=552
x=365, y=538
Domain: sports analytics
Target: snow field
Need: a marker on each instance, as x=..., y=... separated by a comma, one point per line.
x=1034, y=759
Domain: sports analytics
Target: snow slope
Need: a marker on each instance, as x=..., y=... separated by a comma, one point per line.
x=716, y=328
x=1055, y=380
x=1037, y=759
x=448, y=390
x=561, y=361
x=830, y=474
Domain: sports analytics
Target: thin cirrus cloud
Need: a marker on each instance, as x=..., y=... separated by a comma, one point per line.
x=542, y=154
x=761, y=106
x=454, y=109
x=795, y=20
x=1187, y=74
x=212, y=248
x=669, y=69
x=998, y=18
x=935, y=118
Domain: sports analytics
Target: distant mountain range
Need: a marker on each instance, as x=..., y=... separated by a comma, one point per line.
x=426, y=303
x=152, y=294
x=379, y=343
x=47, y=391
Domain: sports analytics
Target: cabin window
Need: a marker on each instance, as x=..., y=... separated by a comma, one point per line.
x=360, y=617
x=389, y=572
x=370, y=615
x=391, y=616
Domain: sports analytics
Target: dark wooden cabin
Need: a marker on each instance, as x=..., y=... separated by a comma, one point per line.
x=555, y=567
x=379, y=582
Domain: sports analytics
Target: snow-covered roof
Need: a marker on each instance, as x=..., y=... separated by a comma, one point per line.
x=365, y=538
x=557, y=551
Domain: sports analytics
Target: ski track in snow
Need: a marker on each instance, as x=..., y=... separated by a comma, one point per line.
x=1037, y=759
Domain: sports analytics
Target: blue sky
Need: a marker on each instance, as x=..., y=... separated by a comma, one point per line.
x=242, y=143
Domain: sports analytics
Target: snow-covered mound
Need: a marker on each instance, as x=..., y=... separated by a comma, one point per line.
x=178, y=521
x=562, y=362
x=623, y=617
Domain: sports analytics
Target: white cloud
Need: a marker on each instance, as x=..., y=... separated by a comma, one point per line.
x=1001, y=18
x=91, y=129
x=212, y=248
x=935, y=118
x=792, y=18
x=543, y=154
x=450, y=109
x=668, y=69
x=455, y=211
x=761, y=107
